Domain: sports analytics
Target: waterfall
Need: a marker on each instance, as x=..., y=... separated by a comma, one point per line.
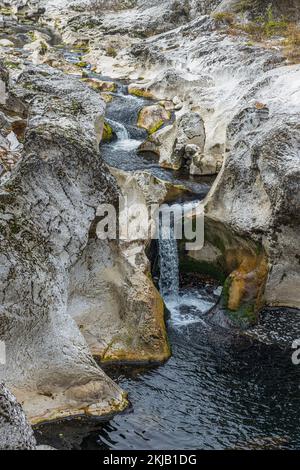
x=124, y=142
x=169, y=264
x=120, y=129
x=185, y=306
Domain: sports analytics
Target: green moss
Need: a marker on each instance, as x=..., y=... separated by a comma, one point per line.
x=244, y=317
x=214, y=237
x=76, y=107
x=190, y=265
x=82, y=64
x=224, y=17
x=107, y=133
x=156, y=126
x=111, y=51
x=140, y=93
x=11, y=65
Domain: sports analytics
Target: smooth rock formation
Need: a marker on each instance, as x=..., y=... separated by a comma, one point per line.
x=48, y=203
x=111, y=293
x=252, y=212
x=263, y=161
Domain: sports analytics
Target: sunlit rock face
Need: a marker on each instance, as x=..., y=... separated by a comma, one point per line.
x=15, y=432
x=48, y=202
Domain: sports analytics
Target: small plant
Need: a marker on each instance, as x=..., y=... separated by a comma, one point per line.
x=271, y=26
x=76, y=107
x=111, y=51
x=293, y=35
x=224, y=17
x=43, y=48
x=263, y=27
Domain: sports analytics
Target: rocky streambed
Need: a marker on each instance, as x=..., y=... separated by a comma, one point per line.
x=187, y=109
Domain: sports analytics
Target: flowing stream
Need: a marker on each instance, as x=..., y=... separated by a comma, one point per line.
x=219, y=390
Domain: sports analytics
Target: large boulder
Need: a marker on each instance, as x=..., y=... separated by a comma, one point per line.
x=48, y=203
x=111, y=294
x=177, y=143
x=252, y=219
x=153, y=117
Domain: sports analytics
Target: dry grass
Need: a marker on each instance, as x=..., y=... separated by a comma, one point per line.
x=224, y=17
x=264, y=28
x=292, y=44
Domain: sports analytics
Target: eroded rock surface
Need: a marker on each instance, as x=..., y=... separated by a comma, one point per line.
x=48, y=203
x=111, y=295
x=15, y=432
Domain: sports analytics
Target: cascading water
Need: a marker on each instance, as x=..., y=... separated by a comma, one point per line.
x=120, y=129
x=124, y=141
x=169, y=264
x=185, y=306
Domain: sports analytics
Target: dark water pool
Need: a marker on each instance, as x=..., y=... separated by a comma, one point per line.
x=218, y=391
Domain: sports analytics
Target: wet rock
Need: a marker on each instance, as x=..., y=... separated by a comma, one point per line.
x=139, y=90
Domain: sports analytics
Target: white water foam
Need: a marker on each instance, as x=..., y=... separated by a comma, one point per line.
x=124, y=142
x=185, y=307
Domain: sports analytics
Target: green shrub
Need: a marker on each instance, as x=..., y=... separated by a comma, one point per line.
x=111, y=51
x=224, y=17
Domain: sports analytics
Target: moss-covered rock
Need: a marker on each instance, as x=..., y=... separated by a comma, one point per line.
x=108, y=133
x=100, y=85
x=153, y=118
x=139, y=91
